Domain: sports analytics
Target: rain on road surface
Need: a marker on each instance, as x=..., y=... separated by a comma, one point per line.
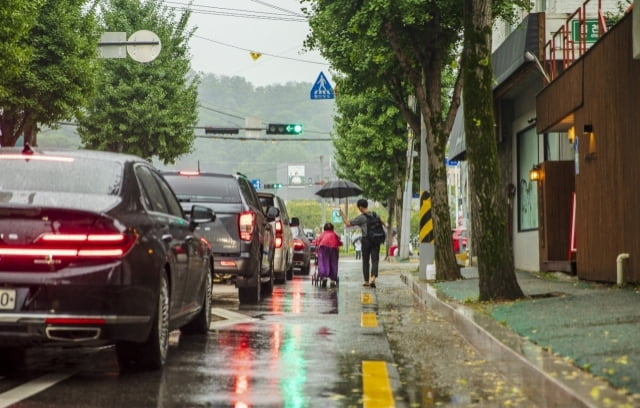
x=304, y=346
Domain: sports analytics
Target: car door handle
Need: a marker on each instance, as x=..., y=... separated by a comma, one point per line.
x=167, y=238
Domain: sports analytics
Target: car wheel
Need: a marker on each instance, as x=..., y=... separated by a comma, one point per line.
x=12, y=359
x=152, y=354
x=289, y=272
x=251, y=294
x=200, y=324
x=267, y=287
x=306, y=268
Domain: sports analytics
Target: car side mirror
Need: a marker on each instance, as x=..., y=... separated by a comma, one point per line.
x=200, y=215
x=272, y=214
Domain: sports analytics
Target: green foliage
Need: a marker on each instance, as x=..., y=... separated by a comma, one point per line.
x=144, y=109
x=17, y=19
x=57, y=64
x=371, y=146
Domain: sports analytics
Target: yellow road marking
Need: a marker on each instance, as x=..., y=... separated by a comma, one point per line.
x=376, y=389
x=368, y=319
x=367, y=299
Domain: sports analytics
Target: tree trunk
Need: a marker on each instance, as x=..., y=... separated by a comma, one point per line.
x=428, y=88
x=488, y=207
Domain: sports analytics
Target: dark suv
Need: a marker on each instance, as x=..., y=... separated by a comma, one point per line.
x=242, y=239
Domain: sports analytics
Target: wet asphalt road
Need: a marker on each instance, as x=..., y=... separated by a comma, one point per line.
x=304, y=346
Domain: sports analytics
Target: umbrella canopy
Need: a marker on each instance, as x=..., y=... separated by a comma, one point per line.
x=339, y=189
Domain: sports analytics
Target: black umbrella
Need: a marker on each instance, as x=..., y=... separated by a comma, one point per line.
x=339, y=189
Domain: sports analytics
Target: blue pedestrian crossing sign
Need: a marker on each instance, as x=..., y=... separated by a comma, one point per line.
x=256, y=183
x=322, y=88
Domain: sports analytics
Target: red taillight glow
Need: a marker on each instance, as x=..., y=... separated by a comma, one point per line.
x=51, y=245
x=189, y=173
x=74, y=320
x=246, y=225
x=278, y=225
x=298, y=245
x=228, y=263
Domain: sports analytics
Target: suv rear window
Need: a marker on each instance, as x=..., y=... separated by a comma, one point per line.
x=204, y=188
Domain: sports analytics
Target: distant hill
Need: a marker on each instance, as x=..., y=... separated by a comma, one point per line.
x=226, y=102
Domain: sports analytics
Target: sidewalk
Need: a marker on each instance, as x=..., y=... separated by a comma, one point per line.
x=570, y=343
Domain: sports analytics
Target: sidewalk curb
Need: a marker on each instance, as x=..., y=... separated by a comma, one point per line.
x=538, y=372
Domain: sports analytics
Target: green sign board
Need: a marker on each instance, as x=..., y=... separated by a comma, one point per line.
x=335, y=216
x=591, y=30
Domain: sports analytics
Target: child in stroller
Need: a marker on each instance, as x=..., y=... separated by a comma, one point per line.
x=328, y=244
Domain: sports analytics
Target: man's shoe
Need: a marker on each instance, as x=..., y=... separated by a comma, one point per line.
x=365, y=284
x=372, y=285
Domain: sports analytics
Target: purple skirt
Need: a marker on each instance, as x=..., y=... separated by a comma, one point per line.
x=327, y=262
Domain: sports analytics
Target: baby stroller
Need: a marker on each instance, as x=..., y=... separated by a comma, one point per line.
x=326, y=263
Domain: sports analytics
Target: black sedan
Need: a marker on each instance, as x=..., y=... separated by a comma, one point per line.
x=95, y=249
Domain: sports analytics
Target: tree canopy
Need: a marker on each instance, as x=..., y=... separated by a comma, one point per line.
x=49, y=64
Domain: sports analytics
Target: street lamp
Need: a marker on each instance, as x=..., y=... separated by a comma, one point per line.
x=530, y=57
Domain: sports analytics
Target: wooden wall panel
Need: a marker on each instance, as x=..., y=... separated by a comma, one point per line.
x=607, y=200
x=561, y=99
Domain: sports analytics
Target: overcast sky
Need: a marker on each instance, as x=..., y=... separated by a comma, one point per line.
x=227, y=30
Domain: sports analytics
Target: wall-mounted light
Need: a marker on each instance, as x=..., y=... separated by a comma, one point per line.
x=571, y=134
x=591, y=137
x=535, y=174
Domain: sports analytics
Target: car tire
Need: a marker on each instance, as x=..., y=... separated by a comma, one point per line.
x=201, y=322
x=289, y=272
x=12, y=359
x=267, y=287
x=152, y=354
x=251, y=294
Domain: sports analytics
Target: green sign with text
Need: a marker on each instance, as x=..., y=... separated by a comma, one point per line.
x=591, y=30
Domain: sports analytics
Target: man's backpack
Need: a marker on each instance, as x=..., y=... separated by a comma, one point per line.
x=375, y=230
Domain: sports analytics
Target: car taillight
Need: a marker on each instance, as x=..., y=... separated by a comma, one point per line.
x=278, y=234
x=189, y=172
x=298, y=245
x=247, y=225
x=75, y=245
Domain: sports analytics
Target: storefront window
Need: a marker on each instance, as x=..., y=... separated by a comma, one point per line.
x=557, y=147
x=527, y=189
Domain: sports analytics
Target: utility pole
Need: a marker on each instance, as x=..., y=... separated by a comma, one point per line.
x=324, y=212
x=403, y=239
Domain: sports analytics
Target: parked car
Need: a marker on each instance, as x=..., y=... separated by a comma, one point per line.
x=311, y=235
x=95, y=249
x=242, y=239
x=283, y=256
x=459, y=240
x=301, y=248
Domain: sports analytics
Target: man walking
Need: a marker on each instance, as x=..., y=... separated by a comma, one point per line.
x=370, y=248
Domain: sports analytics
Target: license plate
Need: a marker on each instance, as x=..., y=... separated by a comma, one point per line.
x=7, y=299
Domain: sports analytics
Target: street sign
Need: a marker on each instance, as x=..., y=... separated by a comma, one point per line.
x=142, y=46
x=591, y=30
x=322, y=88
x=256, y=183
x=336, y=218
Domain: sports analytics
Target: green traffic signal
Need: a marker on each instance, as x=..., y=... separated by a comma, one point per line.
x=284, y=129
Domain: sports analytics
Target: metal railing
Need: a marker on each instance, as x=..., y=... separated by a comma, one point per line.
x=565, y=47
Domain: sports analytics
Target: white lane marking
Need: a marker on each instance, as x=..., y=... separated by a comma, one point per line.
x=31, y=388
x=232, y=318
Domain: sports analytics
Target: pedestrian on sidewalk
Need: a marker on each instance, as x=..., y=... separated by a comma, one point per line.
x=328, y=244
x=370, y=247
x=357, y=245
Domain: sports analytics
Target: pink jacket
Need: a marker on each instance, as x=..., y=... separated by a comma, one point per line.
x=329, y=239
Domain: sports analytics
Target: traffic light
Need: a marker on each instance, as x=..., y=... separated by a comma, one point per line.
x=220, y=131
x=273, y=186
x=284, y=129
